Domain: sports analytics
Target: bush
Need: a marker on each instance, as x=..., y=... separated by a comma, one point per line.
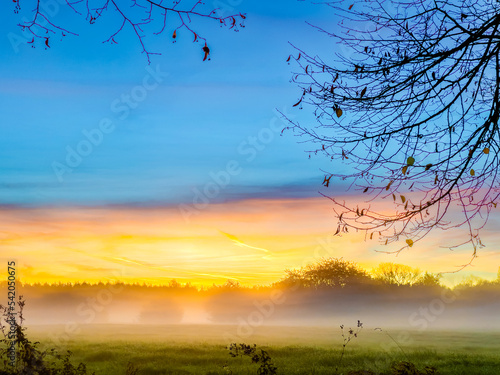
x=29, y=359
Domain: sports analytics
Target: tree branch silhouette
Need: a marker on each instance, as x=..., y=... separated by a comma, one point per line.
x=135, y=15
x=410, y=105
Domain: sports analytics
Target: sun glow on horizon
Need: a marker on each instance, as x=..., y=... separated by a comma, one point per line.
x=251, y=242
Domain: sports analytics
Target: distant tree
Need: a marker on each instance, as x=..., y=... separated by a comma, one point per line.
x=174, y=284
x=429, y=279
x=470, y=281
x=231, y=285
x=188, y=287
x=397, y=274
x=292, y=278
x=410, y=103
x=145, y=18
x=329, y=272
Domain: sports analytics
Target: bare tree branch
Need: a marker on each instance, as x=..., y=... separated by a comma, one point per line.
x=135, y=15
x=411, y=107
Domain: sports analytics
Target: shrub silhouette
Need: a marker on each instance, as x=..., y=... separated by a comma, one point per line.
x=408, y=368
x=266, y=366
x=399, y=368
x=30, y=359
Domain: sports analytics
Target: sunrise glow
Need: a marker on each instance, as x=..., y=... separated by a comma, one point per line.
x=251, y=242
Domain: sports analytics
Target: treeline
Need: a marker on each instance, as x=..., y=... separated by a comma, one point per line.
x=326, y=273
x=340, y=273
x=333, y=288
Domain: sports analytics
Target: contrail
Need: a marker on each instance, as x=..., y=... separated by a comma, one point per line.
x=240, y=243
x=163, y=268
x=118, y=260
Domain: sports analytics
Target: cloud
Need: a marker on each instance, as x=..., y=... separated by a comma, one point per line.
x=252, y=241
x=26, y=185
x=242, y=244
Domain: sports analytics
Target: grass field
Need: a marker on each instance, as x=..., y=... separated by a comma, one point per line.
x=294, y=350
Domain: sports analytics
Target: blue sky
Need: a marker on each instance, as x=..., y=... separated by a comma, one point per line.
x=191, y=124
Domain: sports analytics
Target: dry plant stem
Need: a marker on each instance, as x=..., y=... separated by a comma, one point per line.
x=346, y=339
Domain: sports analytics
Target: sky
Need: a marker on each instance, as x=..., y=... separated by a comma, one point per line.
x=177, y=168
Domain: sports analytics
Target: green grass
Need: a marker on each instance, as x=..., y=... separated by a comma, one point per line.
x=294, y=350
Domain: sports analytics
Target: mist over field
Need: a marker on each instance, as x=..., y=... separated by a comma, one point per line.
x=223, y=187
x=389, y=306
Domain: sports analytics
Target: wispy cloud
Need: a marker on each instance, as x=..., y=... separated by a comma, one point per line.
x=242, y=244
x=252, y=241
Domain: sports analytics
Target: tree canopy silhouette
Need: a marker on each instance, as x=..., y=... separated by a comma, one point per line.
x=143, y=17
x=327, y=272
x=409, y=102
x=398, y=274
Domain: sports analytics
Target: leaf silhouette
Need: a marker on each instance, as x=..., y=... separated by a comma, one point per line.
x=296, y=104
x=326, y=181
x=207, y=51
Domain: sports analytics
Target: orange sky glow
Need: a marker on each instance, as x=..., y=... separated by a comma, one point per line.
x=250, y=241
